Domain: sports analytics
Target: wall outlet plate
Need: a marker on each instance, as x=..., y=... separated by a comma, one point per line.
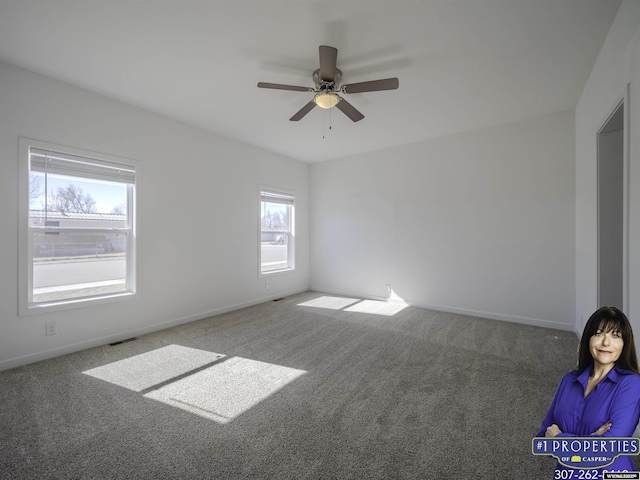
x=51, y=328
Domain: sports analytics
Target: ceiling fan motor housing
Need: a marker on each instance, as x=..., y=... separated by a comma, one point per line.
x=323, y=85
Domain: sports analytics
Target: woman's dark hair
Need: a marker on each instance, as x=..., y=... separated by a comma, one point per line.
x=608, y=319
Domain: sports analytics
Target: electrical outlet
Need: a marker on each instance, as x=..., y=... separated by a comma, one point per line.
x=51, y=328
x=267, y=286
x=388, y=288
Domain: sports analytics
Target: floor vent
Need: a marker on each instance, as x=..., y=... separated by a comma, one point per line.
x=127, y=340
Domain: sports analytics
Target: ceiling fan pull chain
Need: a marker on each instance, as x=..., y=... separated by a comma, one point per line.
x=330, y=118
x=323, y=118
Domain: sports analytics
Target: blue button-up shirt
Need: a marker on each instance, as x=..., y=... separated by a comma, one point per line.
x=615, y=399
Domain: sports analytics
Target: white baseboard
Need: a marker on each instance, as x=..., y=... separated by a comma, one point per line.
x=116, y=337
x=461, y=311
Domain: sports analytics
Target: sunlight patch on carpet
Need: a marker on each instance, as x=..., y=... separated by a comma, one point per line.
x=332, y=303
x=207, y=384
x=377, y=308
x=225, y=390
x=152, y=368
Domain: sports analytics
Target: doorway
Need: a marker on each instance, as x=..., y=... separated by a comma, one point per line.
x=611, y=210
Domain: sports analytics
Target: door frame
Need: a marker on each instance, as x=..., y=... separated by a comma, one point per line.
x=623, y=102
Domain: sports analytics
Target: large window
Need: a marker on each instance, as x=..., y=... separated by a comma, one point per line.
x=276, y=231
x=78, y=239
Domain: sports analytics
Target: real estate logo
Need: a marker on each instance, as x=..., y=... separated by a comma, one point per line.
x=589, y=452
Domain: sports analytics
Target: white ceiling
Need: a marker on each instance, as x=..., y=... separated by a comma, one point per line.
x=462, y=64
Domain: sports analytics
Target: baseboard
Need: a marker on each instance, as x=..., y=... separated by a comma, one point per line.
x=534, y=322
x=460, y=311
x=97, y=342
x=116, y=337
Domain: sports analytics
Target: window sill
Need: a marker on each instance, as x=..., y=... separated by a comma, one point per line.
x=71, y=304
x=275, y=272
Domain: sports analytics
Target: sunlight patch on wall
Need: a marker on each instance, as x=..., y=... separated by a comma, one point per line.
x=332, y=303
x=207, y=384
x=377, y=308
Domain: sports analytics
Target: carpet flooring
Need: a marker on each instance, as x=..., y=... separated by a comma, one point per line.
x=308, y=387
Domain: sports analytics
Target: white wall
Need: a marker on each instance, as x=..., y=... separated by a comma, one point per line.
x=499, y=222
x=479, y=223
x=198, y=215
x=617, y=66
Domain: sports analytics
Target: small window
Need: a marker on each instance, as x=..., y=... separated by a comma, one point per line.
x=276, y=231
x=80, y=240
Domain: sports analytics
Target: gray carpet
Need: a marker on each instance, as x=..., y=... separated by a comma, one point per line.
x=307, y=387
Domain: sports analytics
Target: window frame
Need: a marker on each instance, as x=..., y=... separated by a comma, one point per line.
x=291, y=263
x=26, y=306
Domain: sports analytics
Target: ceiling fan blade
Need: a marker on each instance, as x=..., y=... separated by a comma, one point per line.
x=372, y=86
x=278, y=86
x=328, y=59
x=349, y=110
x=303, y=111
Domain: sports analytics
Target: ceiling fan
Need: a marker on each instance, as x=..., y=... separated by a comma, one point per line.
x=327, y=86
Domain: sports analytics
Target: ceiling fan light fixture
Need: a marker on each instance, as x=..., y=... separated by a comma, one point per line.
x=327, y=80
x=326, y=100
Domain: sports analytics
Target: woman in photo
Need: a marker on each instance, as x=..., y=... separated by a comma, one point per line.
x=602, y=396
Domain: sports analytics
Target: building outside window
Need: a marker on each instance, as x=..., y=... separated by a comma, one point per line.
x=80, y=235
x=277, y=239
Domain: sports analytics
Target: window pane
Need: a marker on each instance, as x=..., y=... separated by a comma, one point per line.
x=76, y=202
x=73, y=265
x=275, y=217
x=275, y=231
x=274, y=256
